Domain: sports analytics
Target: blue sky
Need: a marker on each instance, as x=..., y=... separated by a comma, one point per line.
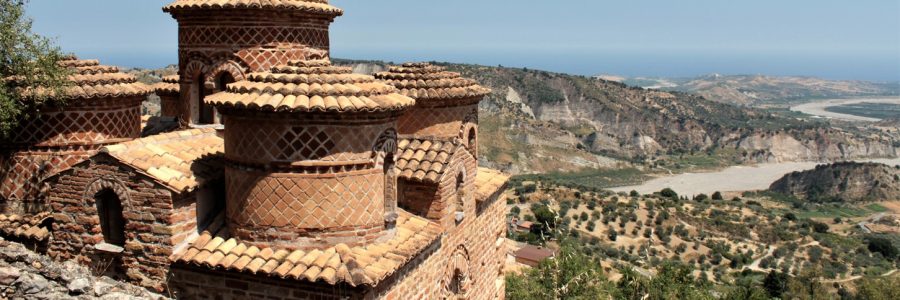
x=826, y=38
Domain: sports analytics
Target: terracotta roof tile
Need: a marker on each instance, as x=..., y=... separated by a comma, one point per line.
x=311, y=86
x=91, y=80
x=363, y=265
x=168, y=86
x=488, y=182
x=312, y=6
x=178, y=159
x=424, y=159
x=425, y=82
x=25, y=226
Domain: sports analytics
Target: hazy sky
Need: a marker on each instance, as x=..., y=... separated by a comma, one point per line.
x=827, y=38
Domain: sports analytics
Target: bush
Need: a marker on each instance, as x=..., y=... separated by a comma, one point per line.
x=634, y=194
x=717, y=196
x=790, y=216
x=701, y=197
x=883, y=246
x=668, y=193
x=819, y=227
x=612, y=235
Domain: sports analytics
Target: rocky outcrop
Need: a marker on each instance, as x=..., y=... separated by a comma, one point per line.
x=843, y=182
x=821, y=146
x=28, y=275
x=569, y=120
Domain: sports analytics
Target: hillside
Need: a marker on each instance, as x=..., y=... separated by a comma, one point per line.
x=843, y=182
x=758, y=90
x=538, y=121
x=724, y=239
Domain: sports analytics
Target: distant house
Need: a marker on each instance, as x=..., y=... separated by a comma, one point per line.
x=532, y=255
x=523, y=226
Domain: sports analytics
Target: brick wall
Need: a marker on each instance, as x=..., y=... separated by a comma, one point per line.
x=192, y=283
x=154, y=222
x=440, y=121
x=58, y=139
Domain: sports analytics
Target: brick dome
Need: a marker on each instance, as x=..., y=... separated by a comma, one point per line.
x=425, y=83
x=310, y=6
x=311, y=86
x=306, y=144
x=101, y=106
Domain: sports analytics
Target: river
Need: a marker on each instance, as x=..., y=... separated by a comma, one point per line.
x=818, y=108
x=736, y=178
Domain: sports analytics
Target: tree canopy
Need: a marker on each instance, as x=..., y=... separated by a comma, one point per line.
x=28, y=61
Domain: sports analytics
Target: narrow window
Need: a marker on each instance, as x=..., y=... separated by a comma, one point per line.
x=390, y=190
x=112, y=223
x=460, y=198
x=473, y=139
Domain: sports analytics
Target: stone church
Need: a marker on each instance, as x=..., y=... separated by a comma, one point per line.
x=287, y=178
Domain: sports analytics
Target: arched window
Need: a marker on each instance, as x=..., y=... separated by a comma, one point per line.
x=460, y=197
x=390, y=190
x=112, y=223
x=473, y=142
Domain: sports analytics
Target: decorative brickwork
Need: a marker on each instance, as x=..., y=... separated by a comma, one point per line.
x=102, y=107
x=306, y=211
x=436, y=122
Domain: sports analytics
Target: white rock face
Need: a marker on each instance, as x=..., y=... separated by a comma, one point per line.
x=514, y=97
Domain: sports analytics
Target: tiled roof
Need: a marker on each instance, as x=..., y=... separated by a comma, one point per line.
x=92, y=80
x=488, y=182
x=168, y=86
x=311, y=6
x=424, y=82
x=424, y=159
x=26, y=227
x=363, y=265
x=179, y=160
x=311, y=86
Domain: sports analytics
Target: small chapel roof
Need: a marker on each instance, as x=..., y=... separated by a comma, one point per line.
x=424, y=82
x=361, y=265
x=179, y=160
x=311, y=86
x=311, y=6
x=424, y=160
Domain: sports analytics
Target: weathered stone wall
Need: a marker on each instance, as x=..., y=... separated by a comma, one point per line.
x=154, y=222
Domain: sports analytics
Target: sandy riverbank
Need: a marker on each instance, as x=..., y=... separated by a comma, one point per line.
x=737, y=178
x=818, y=108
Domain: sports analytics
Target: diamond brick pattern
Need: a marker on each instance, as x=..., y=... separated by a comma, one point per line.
x=21, y=176
x=297, y=203
x=61, y=128
x=250, y=141
x=249, y=36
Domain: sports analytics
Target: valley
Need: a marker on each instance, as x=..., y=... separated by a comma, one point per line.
x=731, y=179
x=861, y=109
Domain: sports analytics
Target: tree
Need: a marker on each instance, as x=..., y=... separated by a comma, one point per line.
x=634, y=193
x=673, y=281
x=819, y=227
x=775, y=283
x=701, y=197
x=611, y=234
x=571, y=274
x=668, y=193
x=883, y=246
x=717, y=196
x=878, y=289
x=30, y=73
